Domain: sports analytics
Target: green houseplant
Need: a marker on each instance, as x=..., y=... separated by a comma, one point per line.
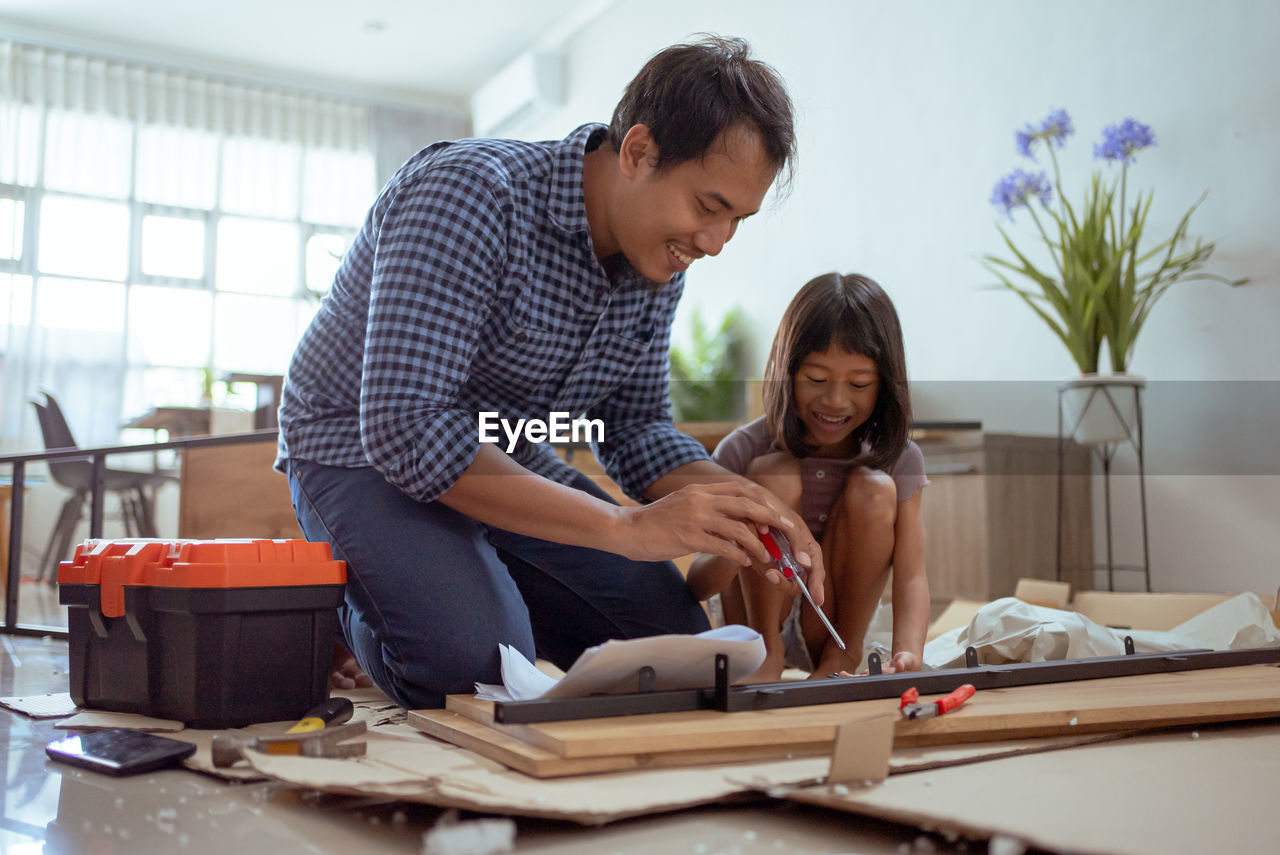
x=1102, y=280
x=706, y=374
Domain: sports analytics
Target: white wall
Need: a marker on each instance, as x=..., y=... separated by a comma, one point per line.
x=906, y=119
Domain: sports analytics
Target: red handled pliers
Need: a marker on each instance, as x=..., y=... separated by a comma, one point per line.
x=912, y=708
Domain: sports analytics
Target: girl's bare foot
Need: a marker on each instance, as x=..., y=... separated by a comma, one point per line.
x=770, y=671
x=839, y=663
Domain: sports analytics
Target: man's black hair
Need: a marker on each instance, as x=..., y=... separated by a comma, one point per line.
x=689, y=94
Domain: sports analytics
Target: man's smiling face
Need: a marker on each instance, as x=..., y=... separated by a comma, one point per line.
x=669, y=218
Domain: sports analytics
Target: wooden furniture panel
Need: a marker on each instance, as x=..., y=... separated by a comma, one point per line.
x=991, y=512
x=538, y=762
x=231, y=491
x=1055, y=709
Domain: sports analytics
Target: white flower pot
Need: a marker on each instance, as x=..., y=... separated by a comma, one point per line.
x=1101, y=408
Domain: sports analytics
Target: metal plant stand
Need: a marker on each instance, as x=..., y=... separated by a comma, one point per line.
x=1112, y=396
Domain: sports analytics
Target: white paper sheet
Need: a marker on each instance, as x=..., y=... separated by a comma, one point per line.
x=678, y=662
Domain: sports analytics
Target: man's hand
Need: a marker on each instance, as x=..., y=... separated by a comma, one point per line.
x=721, y=518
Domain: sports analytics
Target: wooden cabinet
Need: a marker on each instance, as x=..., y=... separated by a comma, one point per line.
x=991, y=511
x=231, y=491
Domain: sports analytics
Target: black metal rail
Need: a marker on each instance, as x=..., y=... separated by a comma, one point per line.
x=764, y=696
x=98, y=456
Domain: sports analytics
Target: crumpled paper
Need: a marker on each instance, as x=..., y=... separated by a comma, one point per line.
x=1010, y=630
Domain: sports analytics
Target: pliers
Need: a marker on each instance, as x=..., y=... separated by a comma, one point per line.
x=912, y=707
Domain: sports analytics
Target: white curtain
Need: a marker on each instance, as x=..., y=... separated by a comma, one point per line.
x=61, y=80
x=102, y=160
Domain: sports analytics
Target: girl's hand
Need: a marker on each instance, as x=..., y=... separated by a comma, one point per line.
x=898, y=663
x=720, y=518
x=902, y=661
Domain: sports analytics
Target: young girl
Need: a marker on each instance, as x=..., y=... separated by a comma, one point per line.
x=833, y=444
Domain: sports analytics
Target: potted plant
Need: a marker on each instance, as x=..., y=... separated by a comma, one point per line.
x=1103, y=280
x=706, y=377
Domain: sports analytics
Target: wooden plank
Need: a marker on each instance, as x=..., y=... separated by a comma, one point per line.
x=1056, y=709
x=491, y=741
x=508, y=750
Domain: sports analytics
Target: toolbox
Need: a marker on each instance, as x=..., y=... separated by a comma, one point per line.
x=212, y=633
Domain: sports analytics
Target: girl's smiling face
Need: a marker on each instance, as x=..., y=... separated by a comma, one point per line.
x=835, y=392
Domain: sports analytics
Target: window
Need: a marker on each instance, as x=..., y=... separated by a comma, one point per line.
x=172, y=247
x=12, y=212
x=83, y=237
x=149, y=242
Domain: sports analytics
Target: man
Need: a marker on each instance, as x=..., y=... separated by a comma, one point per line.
x=496, y=280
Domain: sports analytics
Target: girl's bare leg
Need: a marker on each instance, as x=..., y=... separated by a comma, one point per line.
x=857, y=550
x=764, y=604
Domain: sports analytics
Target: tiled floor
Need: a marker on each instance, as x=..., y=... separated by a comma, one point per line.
x=52, y=808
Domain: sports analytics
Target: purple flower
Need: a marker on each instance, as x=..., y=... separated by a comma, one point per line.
x=1120, y=142
x=1018, y=187
x=1024, y=138
x=1054, y=130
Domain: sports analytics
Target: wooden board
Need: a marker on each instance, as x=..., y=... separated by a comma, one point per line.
x=1057, y=709
x=490, y=741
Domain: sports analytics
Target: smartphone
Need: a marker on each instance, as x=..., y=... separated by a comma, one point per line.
x=119, y=751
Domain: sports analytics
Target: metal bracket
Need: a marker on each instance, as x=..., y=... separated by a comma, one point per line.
x=727, y=698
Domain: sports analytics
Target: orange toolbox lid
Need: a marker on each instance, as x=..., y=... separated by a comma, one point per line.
x=112, y=564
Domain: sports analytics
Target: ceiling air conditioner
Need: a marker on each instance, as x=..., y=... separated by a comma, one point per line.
x=524, y=90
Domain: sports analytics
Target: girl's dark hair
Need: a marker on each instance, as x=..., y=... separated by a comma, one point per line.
x=855, y=313
x=689, y=94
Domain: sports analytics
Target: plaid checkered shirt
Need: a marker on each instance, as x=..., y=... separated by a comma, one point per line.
x=472, y=287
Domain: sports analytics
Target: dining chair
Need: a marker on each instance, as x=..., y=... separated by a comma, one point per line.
x=132, y=488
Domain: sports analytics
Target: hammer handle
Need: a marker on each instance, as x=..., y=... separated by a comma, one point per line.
x=332, y=711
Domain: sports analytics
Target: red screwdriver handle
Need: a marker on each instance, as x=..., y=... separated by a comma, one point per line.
x=956, y=698
x=770, y=544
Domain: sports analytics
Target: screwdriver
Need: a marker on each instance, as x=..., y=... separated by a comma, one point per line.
x=780, y=550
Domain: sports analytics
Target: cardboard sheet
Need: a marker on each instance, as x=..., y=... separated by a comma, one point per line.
x=1187, y=792
x=429, y=771
x=49, y=705
x=379, y=713
x=100, y=720
x=433, y=772
x=861, y=750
